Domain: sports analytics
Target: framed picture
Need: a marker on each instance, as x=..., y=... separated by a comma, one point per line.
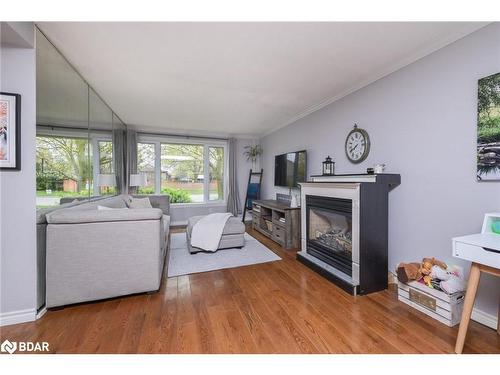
x=488, y=128
x=10, y=131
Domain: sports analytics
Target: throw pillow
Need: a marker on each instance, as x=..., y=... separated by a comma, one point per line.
x=140, y=203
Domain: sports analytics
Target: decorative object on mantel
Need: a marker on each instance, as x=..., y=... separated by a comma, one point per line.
x=357, y=145
x=370, y=171
x=328, y=166
x=10, y=131
x=253, y=153
x=488, y=128
x=379, y=168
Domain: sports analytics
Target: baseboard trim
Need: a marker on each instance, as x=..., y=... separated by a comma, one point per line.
x=488, y=320
x=41, y=313
x=16, y=317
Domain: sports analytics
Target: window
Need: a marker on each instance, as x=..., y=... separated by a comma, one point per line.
x=182, y=172
x=216, y=163
x=106, y=165
x=63, y=169
x=188, y=172
x=146, y=156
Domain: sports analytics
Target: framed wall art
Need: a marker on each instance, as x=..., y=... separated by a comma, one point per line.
x=488, y=128
x=10, y=131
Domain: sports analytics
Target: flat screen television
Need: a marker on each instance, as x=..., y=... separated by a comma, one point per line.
x=290, y=168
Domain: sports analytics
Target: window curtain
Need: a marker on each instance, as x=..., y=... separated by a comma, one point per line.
x=233, y=197
x=131, y=158
x=119, y=159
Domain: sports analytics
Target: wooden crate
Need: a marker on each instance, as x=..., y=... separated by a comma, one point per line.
x=446, y=308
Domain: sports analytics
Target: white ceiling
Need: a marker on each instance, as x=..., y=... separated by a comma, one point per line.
x=238, y=78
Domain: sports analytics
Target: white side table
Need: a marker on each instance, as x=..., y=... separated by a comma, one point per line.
x=483, y=250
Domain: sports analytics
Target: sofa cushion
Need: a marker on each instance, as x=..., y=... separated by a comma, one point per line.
x=157, y=201
x=139, y=203
x=70, y=216
x=104, y=208
x=117, y=201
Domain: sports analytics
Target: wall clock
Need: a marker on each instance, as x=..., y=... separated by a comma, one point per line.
x=357, y=145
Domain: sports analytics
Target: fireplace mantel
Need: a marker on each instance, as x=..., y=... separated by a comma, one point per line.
x=369, y=196
x=389, y=179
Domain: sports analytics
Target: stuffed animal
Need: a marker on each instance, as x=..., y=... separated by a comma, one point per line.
x=408, y=272
x=451, y=281
x=428, y=263
x=432, y=271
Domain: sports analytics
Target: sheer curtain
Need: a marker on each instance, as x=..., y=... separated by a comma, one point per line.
x=233, y=198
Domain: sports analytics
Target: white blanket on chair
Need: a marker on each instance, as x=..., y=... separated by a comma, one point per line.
x=207, y=232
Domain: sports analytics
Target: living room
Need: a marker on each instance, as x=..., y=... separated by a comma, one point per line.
x=250, y=187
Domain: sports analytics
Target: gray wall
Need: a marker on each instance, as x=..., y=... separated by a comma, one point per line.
x=422, y=124
x=17, y=195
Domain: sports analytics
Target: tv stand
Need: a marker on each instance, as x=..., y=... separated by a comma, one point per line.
x=278, y=221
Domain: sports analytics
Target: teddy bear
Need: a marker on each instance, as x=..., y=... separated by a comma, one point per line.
x=428, y=263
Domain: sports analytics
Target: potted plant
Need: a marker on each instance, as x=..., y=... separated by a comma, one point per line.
x=252, y=153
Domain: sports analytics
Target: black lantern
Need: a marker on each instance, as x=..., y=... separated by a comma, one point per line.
x=328, y=166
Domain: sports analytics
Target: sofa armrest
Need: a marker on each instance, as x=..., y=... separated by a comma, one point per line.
x=76, y=216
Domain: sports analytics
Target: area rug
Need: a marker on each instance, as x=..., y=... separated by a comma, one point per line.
x=182, y=262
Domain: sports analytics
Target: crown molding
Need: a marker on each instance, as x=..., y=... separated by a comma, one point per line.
x=392, y=69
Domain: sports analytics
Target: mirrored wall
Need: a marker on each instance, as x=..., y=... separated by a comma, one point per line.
x=80, y=140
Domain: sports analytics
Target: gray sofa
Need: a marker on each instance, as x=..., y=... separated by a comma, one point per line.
x=95, y=254
x=41, y=246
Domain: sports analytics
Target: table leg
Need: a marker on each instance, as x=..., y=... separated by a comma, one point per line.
x=470, y=296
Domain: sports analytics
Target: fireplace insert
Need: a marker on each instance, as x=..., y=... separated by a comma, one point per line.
x=329, y=231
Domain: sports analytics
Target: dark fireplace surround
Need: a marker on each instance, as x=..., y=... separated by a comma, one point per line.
x=345, y=230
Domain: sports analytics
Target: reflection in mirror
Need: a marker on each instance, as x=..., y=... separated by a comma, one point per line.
x=119, y=140
x=103, y=179
x=63, y=155
x=80, y=141
x=62, y=95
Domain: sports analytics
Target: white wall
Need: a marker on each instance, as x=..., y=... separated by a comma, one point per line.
x=17, y=196
x=422, y=124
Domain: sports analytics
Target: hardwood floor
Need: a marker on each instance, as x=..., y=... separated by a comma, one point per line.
x=278, y=307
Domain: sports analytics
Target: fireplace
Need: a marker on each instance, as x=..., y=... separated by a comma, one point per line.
x=344, y=222
x=329, y=231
